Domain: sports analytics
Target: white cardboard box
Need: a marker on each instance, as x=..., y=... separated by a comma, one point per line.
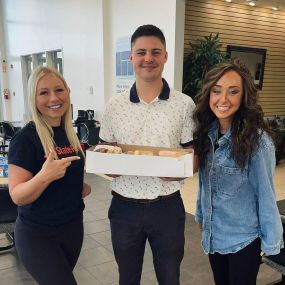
x=140, y=165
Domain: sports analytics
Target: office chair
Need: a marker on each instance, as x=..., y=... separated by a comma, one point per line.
x=7, y=131
x=3, y=146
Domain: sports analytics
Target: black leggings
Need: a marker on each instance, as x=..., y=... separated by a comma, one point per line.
x=240, y=268
x=50, y=255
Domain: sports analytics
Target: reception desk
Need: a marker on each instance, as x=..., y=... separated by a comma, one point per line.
x=3, y=181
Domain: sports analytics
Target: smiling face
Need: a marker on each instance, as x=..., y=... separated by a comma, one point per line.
x=226, y=97
x=52, y=99
x=148, y=57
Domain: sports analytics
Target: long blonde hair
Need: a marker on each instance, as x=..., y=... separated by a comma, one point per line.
x=44, y=129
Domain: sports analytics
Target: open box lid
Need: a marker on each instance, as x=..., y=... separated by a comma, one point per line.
x=140, y=165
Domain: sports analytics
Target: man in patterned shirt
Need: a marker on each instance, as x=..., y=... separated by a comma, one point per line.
x=148, y=208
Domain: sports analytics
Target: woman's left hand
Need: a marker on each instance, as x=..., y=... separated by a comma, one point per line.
x=86, y=190
x=172, y=178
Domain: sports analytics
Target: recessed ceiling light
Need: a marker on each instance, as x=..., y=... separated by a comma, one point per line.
x=251, y=3
x=275, y=8
x=229, y=1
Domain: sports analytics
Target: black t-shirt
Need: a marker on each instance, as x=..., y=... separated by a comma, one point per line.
x=61, y=201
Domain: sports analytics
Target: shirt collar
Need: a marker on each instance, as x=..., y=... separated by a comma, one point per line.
x=164, y=95
x=213, y=132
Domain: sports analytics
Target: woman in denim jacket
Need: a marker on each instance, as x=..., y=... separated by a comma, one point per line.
x=236, y=206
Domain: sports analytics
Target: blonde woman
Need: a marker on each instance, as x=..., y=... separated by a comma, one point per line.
x=46, y=164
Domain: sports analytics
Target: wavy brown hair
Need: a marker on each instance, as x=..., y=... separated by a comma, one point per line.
x=248, y=122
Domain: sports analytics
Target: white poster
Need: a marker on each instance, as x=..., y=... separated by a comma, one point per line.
x=125, y=76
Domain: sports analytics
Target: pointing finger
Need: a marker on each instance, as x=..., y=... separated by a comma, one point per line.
x=70, y=158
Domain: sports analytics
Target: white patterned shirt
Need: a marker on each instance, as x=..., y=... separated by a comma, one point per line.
x=165, y=122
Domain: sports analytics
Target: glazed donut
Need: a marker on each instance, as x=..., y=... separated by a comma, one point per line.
x=143, y=152
x=140, y=152
x=105, y=148
x=171, y=153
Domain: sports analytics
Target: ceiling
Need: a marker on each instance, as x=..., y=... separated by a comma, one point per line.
x=266, y=3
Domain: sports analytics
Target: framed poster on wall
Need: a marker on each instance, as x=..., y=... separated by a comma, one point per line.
x=125, y=76
x=254, y=58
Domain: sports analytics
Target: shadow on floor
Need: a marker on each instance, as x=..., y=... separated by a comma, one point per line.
x=97, y=266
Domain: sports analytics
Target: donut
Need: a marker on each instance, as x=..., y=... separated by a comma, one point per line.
x=105, y=148
x=171, y=153
x=143, y=152
x=140, y=152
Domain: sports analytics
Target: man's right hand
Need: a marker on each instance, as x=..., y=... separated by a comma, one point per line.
x=113, y=175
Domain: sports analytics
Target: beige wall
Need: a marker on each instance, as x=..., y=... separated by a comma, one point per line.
x=245, y=26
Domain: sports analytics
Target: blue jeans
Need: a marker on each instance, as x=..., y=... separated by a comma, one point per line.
x=162, y=223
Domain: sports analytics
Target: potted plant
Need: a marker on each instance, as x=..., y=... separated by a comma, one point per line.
x=203, y=55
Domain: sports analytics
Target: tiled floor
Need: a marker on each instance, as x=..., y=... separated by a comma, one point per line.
x=96, y=265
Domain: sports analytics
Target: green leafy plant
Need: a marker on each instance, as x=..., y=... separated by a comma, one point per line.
x=203, y=55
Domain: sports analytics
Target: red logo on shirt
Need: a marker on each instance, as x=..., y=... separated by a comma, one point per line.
x=64, y=150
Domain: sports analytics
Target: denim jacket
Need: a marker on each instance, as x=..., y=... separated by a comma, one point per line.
x=234, y=205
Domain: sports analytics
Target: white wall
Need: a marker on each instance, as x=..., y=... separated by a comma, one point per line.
x=179, y=44
x=125, y=16
x=34, y=26
x=4, y=104
x=86, y=31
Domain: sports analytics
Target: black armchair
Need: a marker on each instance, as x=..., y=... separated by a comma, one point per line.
x=8, y=215
x=277, y=262
x=88, y=132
